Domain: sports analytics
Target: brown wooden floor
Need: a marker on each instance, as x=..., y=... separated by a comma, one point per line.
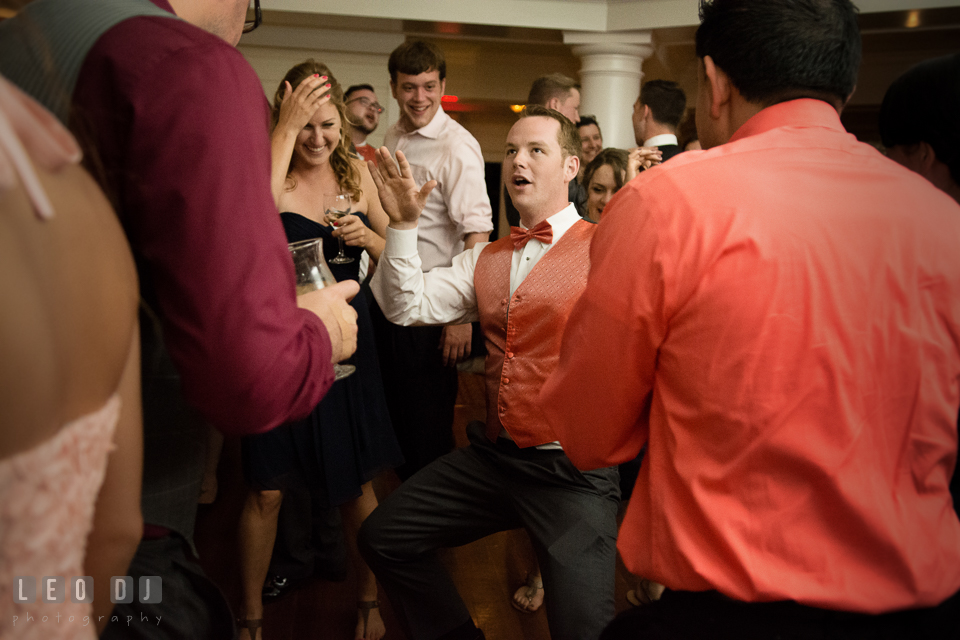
x=487, y=572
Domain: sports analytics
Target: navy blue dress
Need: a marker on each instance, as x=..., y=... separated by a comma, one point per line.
x=348, y=439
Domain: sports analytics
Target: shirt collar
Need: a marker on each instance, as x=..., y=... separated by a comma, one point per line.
x=561, y=222
x=660, y=140
x=433, y=128
x=805, y=112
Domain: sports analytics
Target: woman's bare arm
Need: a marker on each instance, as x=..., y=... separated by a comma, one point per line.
x=297, y=108
x=117, y=522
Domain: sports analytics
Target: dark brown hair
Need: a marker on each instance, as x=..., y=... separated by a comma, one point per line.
x=666, y=100
x=617, y=159
x=416, y=57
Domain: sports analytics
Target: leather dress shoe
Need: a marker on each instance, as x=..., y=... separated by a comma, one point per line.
x=276, y=587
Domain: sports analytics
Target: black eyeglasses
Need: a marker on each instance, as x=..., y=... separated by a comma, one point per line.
x=250, y=25
x=366, y=103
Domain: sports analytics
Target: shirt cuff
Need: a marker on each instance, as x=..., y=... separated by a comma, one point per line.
x=401, y=243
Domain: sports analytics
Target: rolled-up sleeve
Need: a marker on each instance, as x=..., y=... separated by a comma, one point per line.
x=465, y=190
x=199, y=213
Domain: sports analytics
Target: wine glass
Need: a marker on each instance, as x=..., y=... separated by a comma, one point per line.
x=335, y=206
x=312, y=274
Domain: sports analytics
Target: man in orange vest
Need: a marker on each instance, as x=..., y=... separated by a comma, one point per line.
x=514, y=473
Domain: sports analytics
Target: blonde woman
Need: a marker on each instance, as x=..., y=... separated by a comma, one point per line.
x=348, y=439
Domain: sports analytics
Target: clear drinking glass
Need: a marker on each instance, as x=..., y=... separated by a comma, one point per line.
x=312, y=274
x=335, y=206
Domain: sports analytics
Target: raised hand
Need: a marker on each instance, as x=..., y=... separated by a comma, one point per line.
x=296, y=108
x=299, y=105
x=642, y=158
x=400, y=196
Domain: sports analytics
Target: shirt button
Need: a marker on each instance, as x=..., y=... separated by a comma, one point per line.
x=504, y=301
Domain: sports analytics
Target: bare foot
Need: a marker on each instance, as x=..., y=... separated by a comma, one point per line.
x=369, y=623
x=529, y=597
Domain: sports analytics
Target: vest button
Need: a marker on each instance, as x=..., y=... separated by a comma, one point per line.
x=506, y=381
x=509, y=354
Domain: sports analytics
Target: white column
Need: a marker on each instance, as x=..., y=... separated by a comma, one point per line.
x=610, y=74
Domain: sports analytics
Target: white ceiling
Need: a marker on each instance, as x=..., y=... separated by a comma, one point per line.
x=564, y=15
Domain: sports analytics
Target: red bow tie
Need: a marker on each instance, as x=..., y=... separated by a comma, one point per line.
x=542, y=232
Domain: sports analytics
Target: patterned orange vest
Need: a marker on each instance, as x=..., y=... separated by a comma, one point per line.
x=523, y=332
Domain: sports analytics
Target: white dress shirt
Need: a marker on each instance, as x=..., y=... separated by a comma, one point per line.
x=408, y=296
x=446, y=152
x=662, y=139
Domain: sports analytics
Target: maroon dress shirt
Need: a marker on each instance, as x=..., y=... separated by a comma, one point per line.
x=179, y=139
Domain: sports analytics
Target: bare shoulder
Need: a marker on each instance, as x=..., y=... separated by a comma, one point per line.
x=361, y=166
x=70, y=300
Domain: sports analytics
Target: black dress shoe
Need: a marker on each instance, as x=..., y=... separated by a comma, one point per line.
x=276, y=587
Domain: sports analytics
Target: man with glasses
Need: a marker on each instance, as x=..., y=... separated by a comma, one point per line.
x=363, y=111
x=174, y=123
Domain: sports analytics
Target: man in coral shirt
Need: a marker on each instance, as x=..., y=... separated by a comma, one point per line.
x=778, y=318
x=513, y=473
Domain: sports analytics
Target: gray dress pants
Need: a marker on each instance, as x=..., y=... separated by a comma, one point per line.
x=482, y=489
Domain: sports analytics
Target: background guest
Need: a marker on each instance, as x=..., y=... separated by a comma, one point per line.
x=363, y=115
x=347, y=440
x=603, y=177
x=657, y=114
x=419, y=363
x=920, y=122
x=687, y=133
x=591, y=139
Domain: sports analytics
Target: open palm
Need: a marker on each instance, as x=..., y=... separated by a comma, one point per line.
x=400, y=196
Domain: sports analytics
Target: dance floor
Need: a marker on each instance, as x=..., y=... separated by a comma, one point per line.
x=487, y=572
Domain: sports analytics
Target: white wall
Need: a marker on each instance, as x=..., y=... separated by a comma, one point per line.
x=275, y=50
